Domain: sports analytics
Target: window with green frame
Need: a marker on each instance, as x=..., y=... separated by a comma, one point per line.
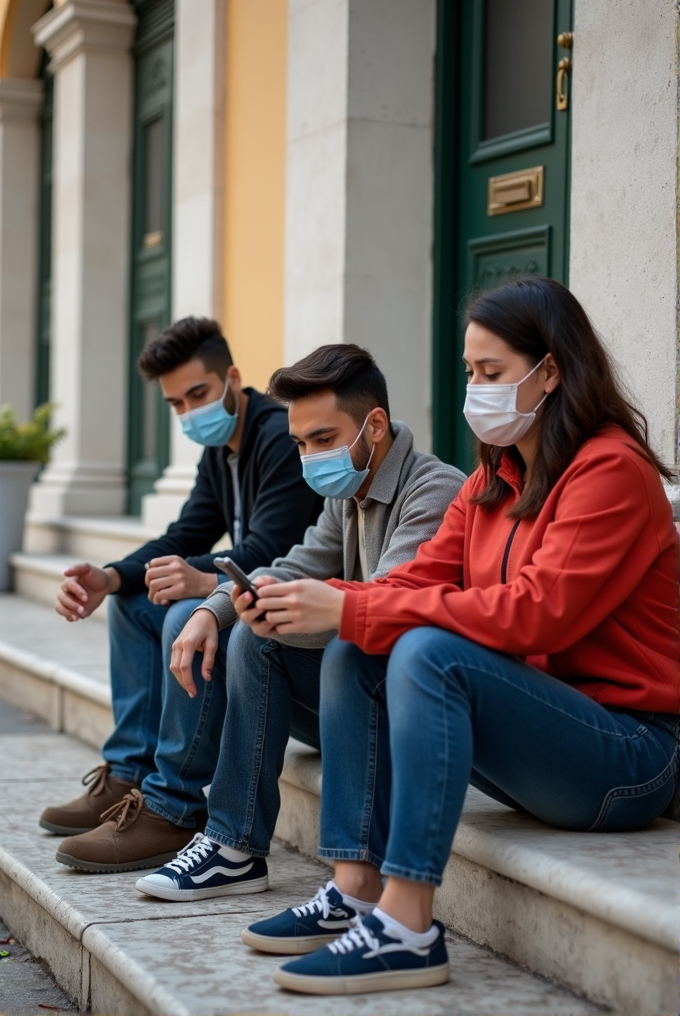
x=151, y=254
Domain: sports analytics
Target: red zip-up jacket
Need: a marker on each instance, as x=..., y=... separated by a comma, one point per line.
x=587, y=590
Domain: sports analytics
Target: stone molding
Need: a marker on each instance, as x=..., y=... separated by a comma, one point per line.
x=80, y=25
x=20, y=100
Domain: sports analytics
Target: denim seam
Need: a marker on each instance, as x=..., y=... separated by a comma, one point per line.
x=640, y=790
x=350, y=855
x=166, y=815
x=369, y=792
x=127, y=773
x=550, y=705
x=444, y=767
x=230, y=841
x=198, y=733
x=410, y=875
x=258, y=752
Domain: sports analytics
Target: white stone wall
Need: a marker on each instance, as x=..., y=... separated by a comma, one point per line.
x=623, y=201
x=360, y=188
x=198, y=182
x=20, y=103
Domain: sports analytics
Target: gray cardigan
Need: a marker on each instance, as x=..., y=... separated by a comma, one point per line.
x=404, y=507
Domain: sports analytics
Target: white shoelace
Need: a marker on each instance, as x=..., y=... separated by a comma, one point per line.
x=356, y=938
x=196, y=851
x=319, y=904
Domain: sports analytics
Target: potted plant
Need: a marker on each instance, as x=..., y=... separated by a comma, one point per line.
x=24, y=448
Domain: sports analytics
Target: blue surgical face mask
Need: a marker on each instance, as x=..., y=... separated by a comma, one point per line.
x=332, y=473
x=209, y=425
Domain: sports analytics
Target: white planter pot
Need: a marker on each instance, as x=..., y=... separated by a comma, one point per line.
x=15, y=481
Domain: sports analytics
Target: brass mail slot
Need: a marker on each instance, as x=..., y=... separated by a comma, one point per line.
x=514, y=191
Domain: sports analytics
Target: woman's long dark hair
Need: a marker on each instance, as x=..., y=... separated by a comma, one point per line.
x=536, y=316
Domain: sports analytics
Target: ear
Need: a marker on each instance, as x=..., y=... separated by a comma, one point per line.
x=377, y=425
x=551, y=374
x=234, y=377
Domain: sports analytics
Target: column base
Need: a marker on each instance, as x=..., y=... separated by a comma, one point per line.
x=83, y=489
x=171, y=491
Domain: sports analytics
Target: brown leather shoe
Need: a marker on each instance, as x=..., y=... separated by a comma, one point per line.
x=84, y=813
x=131, y=836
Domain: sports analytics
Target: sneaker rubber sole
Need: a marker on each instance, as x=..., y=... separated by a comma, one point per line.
x=108, y=869
x=256, y=885
x=63, y=830
x=287, y=946
x=387, y=980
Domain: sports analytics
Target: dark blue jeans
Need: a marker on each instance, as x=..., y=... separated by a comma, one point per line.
x=272, y=693
x=404, y=734
x=162, y=739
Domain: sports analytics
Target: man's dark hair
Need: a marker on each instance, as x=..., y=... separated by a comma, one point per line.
x=346, y=369
x=189, y=339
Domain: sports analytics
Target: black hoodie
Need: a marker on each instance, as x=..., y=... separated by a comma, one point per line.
x=277, y=505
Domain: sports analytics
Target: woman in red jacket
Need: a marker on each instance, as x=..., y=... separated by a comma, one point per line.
x=531, y=649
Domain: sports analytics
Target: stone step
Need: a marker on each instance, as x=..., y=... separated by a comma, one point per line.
x=55, y=669
x=39, y=576
x=597, y=914
x=51, y=545
x=97, y=540
x=114, y=951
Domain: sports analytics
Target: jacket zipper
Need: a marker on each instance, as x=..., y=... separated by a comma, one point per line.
x=506, y=552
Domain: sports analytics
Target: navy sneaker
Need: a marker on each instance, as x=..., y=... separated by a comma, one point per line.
x=303, y=929
x=365, y=959
x=201, y=871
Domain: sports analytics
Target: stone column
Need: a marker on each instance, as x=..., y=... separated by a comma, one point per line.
x=20, y=103
x=198, y=169
x=89, y=45
x=359, y=188
x=624, y=196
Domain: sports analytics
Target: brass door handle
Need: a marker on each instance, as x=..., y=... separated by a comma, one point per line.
x=563, y=68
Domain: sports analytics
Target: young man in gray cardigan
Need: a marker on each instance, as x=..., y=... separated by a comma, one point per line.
x=382, y=500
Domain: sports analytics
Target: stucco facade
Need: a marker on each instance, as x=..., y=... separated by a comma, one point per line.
x=303, y=205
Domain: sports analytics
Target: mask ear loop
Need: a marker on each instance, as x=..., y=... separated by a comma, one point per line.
x=227, y=388
x=532, y=371
x=357, y=438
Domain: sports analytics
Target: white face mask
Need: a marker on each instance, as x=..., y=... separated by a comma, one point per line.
x=492, y=413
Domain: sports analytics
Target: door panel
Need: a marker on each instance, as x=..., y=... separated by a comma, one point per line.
x=506, y=213
x=44, y=309
x=149, y=431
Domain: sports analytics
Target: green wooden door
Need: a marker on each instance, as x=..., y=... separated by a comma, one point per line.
x=44, y=308
x=148, y=417
x=503, y=202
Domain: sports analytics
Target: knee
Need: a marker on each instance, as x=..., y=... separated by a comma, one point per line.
x=339, y=659
x=246, y=658
x=242, y=641
x=344, y=669
x=421, y=660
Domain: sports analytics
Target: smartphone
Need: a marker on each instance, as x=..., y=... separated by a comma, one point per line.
x=237, y=575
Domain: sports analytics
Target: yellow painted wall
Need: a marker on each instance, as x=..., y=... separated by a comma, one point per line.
x=19, y=57
x=255, y=162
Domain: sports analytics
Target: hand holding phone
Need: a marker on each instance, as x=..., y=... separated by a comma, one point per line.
x=237, y=575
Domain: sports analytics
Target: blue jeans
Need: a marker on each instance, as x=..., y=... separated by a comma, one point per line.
x=404, y=734
x=272, y=693
x=141, y=636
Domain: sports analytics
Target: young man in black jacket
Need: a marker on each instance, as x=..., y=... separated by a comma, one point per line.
x=249, y=485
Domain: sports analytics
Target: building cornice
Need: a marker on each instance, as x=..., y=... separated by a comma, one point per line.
x=84, y=25
x=20, y=99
